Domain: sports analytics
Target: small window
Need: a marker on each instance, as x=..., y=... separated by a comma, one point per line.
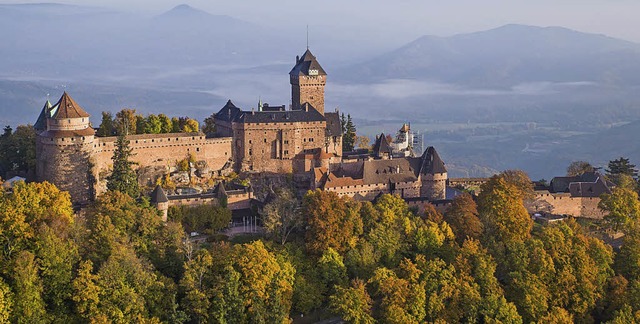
x=265, y=140
x=249, y=141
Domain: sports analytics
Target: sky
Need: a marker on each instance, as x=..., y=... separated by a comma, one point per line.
x=397, y=22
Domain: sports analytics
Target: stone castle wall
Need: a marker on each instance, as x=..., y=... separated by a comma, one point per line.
x=370, y=191
x=272, y=147
x=161, y=150
x=308, y=89
x=235, y=201
x=434, y=186
x=66, y=162
x=563, y=203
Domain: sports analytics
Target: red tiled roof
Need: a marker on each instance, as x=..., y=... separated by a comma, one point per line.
x=68, y=108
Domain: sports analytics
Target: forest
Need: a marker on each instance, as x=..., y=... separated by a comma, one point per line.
x=323, y=256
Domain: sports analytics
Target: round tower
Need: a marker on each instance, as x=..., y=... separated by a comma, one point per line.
x=307, y=80
x=433, y=176
x=64, y=150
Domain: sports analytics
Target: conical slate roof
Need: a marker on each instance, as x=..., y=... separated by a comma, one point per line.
x=431, y=162
x=381, y=145
x=158, y=195
x=41, y=123
x=229, y=112
x=66, y=107
x=307, y=63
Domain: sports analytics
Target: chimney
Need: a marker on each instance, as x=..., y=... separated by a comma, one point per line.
x=297, y=59
x=253, y=112
x=398, y=168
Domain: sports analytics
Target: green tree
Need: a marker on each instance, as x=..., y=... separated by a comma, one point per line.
x=152, y=124
x=349, y=135
x=18, y=149
x=577, y=168
x=6, y=143
x=196, y=286
x=6, y=302
x=176, y=126
x=28, y=305
x=623, y=207
x=165, y=123
x=353, y=304
x=621, y=166
x=127, y=286
x=332, y=270
x=57, y=257
x=167, y=254
x=141, y=124
x=628, y=259
x=123, y=178
x=202, y=218
x=209, y=127
x=24, y=139
x=462, y=216
x=107, y=125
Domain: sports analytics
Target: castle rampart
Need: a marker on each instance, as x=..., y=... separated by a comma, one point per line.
x=162, y=150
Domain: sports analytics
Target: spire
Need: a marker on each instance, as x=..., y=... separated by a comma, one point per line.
x=158, y=195
x=45, y=113
x=307, y=65
x=259, y=104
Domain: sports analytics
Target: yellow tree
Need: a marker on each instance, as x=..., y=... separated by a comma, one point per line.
x=501, y=210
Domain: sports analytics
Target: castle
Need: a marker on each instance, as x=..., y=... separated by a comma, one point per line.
x=302, y=140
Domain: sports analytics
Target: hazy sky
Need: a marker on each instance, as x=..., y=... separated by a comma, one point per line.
x=403, y=20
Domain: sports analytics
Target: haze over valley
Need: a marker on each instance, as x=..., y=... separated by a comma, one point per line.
x=511, y=97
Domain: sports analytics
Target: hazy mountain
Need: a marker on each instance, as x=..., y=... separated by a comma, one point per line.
x=64, y=40
x=475, y=96
x=510, y=55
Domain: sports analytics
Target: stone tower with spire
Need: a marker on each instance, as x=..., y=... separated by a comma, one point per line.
x=433, y=175
x=64, y=148
x=307, y=80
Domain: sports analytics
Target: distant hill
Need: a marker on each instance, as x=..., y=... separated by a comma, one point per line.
x=509, y=55
x=85, y=42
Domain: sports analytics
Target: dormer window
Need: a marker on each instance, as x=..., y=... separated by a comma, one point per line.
x=313, y=72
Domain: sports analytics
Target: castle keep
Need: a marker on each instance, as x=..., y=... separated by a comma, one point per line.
x=274, y=139
x=303, y=140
